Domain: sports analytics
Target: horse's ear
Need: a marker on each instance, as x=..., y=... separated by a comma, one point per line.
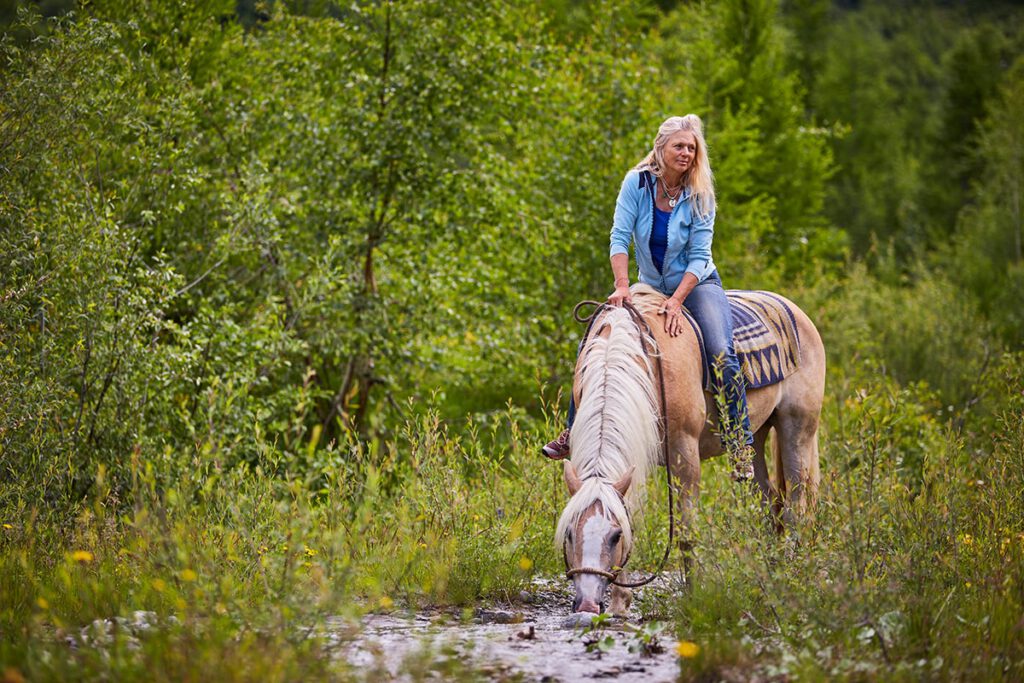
x=622, y=485
x=572, y=480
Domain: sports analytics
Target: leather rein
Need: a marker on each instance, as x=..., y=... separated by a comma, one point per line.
x=646, y=335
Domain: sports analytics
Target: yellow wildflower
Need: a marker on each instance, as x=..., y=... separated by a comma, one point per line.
x=159, y=585
x=309, y=551
x=43, y=602
x=82, y=556
x=687, y=649
x=12, y=675
x=525, y=563
x=385, y=602
x=188, y=575
x=8, y=526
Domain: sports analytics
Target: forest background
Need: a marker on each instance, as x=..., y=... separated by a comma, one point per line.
x=286, y=296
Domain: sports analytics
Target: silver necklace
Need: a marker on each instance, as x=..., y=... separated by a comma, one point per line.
x=672, y=200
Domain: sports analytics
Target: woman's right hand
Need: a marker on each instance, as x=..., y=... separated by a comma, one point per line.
x=620, y=294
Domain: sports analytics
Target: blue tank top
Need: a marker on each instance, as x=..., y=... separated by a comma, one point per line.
x=659, y=237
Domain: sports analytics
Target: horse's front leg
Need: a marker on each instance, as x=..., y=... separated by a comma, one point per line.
x=686, y=480
x=621, y=597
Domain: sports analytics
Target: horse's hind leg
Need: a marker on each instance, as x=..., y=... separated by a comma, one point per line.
x=796, y=419
x=760, y=467
x=770, y=497
x=796, y=450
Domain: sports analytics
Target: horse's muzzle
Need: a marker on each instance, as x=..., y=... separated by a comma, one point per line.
x=585, y=605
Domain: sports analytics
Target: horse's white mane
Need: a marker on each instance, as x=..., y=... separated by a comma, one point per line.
x=616, y=426
x=646, y=299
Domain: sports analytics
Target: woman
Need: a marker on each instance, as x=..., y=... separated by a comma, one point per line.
x=667, y=208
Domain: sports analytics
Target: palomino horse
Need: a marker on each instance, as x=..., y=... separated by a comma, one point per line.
x=616, y=438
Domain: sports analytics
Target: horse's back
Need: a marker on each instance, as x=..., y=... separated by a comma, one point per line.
x=790, y=407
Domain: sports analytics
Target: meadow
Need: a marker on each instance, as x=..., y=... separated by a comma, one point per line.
x=281, y=331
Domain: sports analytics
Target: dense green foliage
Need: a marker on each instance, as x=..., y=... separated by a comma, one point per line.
x=284, y=315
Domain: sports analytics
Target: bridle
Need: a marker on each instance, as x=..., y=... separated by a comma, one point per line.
x=591, y=570
x=646, y=335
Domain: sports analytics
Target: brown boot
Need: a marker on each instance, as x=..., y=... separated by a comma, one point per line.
x=559, y=448
x=742, y=463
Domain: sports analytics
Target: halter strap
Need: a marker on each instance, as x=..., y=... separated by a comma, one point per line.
x=590, y=570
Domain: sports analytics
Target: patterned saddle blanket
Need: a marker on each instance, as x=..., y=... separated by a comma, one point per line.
x=764, y=335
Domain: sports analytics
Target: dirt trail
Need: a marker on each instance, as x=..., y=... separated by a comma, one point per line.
x=531, y=642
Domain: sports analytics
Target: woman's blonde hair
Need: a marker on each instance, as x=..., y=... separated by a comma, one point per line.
x=698, y=178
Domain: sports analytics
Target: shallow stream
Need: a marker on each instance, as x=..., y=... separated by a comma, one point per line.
x=530, y=641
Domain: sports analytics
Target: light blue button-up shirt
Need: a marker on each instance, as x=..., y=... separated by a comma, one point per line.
x=689, y=234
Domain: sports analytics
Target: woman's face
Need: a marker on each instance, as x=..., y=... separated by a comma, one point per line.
x=680, y=151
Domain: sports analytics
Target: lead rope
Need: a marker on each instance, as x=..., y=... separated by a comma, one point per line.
x=646, y=334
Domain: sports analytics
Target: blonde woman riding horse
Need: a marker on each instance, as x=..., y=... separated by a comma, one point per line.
x=623, y=426
x=666, y=206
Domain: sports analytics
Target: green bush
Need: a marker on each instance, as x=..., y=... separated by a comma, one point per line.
x=914, y=329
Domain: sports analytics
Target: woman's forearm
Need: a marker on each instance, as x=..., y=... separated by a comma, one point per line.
x=686, y=286
x=620, y=269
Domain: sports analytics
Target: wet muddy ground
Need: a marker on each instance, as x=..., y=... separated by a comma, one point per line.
x=533, y=640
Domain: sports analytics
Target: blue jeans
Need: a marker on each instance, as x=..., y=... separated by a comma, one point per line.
x=709, y=306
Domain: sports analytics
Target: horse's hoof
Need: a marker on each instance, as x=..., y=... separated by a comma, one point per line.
x=578, y=620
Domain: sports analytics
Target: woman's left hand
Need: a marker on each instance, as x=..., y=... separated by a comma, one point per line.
x=672, y=309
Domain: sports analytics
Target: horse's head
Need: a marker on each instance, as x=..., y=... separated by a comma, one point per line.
x=595, y=534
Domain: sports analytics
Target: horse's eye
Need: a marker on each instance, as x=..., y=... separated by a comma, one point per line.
x=614, y=538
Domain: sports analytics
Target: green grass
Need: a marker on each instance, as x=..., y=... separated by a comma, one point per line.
x=243, y=564
x=911, y=568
